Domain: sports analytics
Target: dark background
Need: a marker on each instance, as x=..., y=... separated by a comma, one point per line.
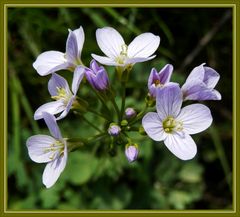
x=158, y=180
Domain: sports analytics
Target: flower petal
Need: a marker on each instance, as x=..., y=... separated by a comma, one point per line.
x=105, y=60
x=110, y=41
x=152, y=125
x=196, y=74
x=165, y=73
x=77, y=78
x=49, y=62
x=67, y=109
x=182, y=147
x=51, y=122
x=39, y=148
x=79, y=33
x=195, y=118
x=56, y=82
x=72, y=48
x=169, y=100
x=54, y=169
x=211, y=77
x=138, y=59
x=53, y=108
x=199, y=91
x=143, y=45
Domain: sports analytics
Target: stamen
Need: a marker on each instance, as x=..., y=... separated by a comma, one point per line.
x=170, y=125
x=158, y=83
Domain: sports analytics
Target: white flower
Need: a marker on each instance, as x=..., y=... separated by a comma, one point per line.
x=52, y=61
x=50, y=150
x=173, y=125
x=119, y=54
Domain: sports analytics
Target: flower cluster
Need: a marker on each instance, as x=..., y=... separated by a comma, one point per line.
x=171, y=123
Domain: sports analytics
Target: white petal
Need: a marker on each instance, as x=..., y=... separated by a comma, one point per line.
x=53, y=108
x=110, y=41
x=139, y=59
x=79, y=33
x=67, y=108
x=39, y=148
x=153, y=126
x=195, y=118
x=196, y=74
x=169, y=100
x=51, y=123
x=105, y=60
x=143, y=45
x=211, y=77
x=182, y=147
x=72, y=48
x=49, y=62
x=77, y=78
x=54, y=169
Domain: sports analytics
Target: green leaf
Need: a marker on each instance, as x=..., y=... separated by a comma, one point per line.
x=80, y=168
x=179, y=199
x=191, y=173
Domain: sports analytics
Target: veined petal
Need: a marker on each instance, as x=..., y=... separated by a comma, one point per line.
x=165, y=73
x=195, y=118
x=211, y=77
x=77, y=78
x=67, y=109
x=152, y=125
x=72, y=48
x=54, y=169
x=49, y=62
x=169, y=100
x=79, y=33
x=182, y=147
x=196, y=74
x=39, y=148
x=51, y=123
x=138, y=59
x=110, y=41
x=57, y=82
x=53, y=108
x=143, y=45
x=105, y=60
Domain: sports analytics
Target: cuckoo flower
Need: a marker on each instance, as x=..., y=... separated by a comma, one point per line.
x=59, y=90
x=131, y=152
x=52, y=61
x=119, y=54
x=174, y=125
x=157, y=80
x=200, y=84
x=97, y=76
x=49, y=149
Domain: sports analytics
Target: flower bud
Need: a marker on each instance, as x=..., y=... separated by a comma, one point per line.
x=131, y=152
x=130, y=113
x=97, y=76
x=114, y=129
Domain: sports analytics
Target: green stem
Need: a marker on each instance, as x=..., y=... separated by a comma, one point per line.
x=99, y=114
x=91, y=124
x=123, y=99
x=116, y=109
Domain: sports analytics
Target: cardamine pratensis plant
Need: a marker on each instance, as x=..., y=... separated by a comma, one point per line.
x=171, y=123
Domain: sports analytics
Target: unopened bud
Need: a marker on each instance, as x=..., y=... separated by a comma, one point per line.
x=131, y=152
x=114, y=129
x=130, y=113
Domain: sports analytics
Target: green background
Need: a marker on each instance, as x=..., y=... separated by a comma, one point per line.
x=93, y=179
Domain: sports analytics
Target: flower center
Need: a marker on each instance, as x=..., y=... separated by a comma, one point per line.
x=123, y=54
x=56, y=147
x=158, y=83
x=170, y=125
x=62, y=94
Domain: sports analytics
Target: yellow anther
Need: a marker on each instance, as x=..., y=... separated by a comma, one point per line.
x=170, y=125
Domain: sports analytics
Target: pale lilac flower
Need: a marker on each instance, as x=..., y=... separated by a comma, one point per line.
x=52, y=61
x=97, y=76
x=49, y=149
x=131, y=152
x=174, y=125
x=114, y=129
x=60, y=91
x=157, y=80
x=130, y=113
x=119, y=54
x=200, y=84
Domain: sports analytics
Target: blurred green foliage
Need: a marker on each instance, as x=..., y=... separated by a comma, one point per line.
x=92, y=178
